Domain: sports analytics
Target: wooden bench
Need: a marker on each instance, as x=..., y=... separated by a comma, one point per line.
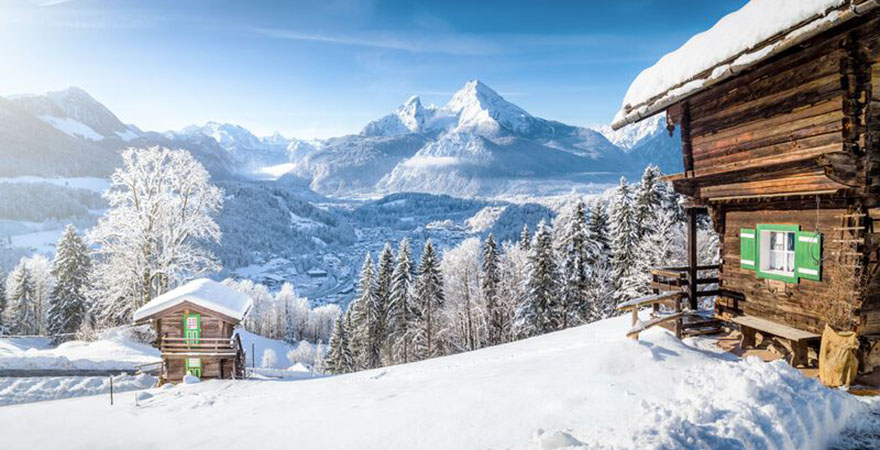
x=798, y=339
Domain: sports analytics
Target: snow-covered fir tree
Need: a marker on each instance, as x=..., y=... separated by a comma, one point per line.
x=541, y=311
x=623, y=234
x=662, y=245
x=71, y=267
x=3, y=304
x=22, y=316
x=600, y=242
x=573, y=273
x=489, y=281
x=401, y=308
x=362, y=329
x=156, y=232
x=381, y=300
x=601, y=292
x=648, y=198
x=525, y=238
x=427, y=339
x=339, y=358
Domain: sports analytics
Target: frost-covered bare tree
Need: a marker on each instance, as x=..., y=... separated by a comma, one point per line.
x=156, y=233
x=514, y=270
x=464, y=311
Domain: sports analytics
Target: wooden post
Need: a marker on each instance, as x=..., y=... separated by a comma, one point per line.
x=111, y=390
x=692, y=257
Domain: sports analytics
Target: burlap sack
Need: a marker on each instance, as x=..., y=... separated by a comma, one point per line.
x=838, y=364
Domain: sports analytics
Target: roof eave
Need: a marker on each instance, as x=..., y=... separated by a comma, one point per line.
x=664, y=100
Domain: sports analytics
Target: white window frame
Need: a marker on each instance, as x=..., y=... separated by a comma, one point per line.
x=788, y=254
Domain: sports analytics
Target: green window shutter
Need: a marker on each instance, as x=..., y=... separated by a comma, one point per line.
x=808, y=255
x=747, y=248
x=192, y=328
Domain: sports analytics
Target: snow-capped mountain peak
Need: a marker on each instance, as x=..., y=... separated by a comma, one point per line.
x=479, y=107
x=74, y=112
x=410, y=117
x=227, y=135
x=632, y=135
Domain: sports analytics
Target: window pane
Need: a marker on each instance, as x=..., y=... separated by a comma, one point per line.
x=790, y=266
x=790, y=241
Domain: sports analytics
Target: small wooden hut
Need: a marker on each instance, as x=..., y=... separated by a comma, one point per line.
x=778, y=105
x=195, y=330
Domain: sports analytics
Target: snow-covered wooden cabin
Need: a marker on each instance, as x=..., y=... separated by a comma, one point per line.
x=195, y=330
x=778, y=105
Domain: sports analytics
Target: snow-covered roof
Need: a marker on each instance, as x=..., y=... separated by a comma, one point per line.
x=201, y=292
x=741, y=39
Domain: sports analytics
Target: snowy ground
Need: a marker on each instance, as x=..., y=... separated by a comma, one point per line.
x=35, y=389
x=114, y=351
x=588, y=386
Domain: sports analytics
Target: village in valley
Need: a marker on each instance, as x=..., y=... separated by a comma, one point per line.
x=702, y=272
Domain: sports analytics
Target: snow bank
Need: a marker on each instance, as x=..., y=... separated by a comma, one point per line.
x=35, y=389
x=115, y=350
x=584, y=387
x=255, y=346
x=744, y=30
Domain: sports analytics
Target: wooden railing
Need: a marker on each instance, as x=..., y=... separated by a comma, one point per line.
x=676, y=279
x=671, y=286
x=189, y=346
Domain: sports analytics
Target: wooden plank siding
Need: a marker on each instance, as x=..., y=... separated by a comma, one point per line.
x=802, y=114
x=797, y=305
x=169, y=324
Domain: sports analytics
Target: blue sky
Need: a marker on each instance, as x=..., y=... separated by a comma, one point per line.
x=320, y=68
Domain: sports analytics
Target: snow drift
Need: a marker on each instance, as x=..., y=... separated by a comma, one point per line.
x=582, y=387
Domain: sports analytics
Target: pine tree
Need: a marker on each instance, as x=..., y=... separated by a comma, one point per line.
x=623, y=235
x=2, y=304
x=573, y=275
x=429, y=298
x=379, y=307
x=599, y=243
x=525, y=240
x=339, y=359
x=541, y=311
x=71, y=268
x=360, y=316
x=22, y=300
x=489, y=280
x=401, y=307
x=648, y=199
x=658, y=247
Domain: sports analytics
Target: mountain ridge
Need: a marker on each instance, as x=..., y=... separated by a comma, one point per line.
x=478, y=143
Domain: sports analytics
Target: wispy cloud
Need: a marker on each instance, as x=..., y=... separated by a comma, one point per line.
x=452, y=44
x=52, y=2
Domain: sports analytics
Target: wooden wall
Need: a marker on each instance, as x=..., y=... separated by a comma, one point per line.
x=210, y=368
x=796, y=124
x=170, y=324
x=798, y=305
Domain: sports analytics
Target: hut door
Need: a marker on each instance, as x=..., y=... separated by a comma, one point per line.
x=192, y=328
x=194, y=367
